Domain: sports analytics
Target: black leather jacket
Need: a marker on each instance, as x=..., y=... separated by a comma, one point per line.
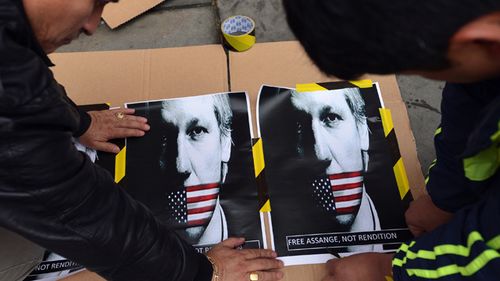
x=53, y=195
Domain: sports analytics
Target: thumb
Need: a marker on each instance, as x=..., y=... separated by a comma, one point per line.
x=233, y=242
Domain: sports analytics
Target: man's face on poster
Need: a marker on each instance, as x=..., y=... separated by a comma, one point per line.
x=340, y=140
x=197, y=152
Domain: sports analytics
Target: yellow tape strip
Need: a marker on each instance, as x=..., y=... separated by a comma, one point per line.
x=388, y=278
x=401, y=178
x=258, y=157
x=266, y=208
x=302, y=88
x=240, y=43
x=120, y=160
x=363, y=84
x=386, y=120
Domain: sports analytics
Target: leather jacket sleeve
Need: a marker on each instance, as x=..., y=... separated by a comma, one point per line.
x=54, y=196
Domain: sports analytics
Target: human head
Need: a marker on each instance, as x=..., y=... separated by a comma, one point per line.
x=57, y=22
x=340, y=133
x=198, y=145
x=348, y=38
x=339, y=127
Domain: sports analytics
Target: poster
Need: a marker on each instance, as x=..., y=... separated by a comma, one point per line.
x=194, y=168
x=329, y=173
x=53, y=267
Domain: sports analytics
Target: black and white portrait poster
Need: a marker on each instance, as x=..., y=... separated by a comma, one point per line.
x=53, y=267
x=329, y=173
x=194, y=168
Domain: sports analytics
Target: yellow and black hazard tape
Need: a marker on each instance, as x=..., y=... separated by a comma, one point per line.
x=120, y=162
x=397, y=160
x=260, y=178
x=115, y=163
x=238, y=33
x=362, y=84
x=387, y=123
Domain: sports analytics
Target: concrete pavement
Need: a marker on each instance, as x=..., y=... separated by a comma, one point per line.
x=177, y=23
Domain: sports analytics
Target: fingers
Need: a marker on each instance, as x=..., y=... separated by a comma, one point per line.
x=232, y=242
x=264, y=264
x=239, y=264
x=125, y=110
x=128, y=121
x=127, y=114
x=106, y=147
x=268, y=275
x=258, y=253
x=332, y=265
x=117, y=133
x=131, y=122
x=135, y=119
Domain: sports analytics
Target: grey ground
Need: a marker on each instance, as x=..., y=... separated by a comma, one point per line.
x=177, y=23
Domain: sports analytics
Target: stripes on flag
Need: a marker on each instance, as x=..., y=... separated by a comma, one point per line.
x=347, y=190
x=201, y=201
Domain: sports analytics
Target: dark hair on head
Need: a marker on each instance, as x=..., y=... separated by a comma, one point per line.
x=348, y=38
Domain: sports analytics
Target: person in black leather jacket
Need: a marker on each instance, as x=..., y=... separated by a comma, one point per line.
x=53, y=195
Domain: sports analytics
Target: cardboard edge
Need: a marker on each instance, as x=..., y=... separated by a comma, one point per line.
x=114, y=23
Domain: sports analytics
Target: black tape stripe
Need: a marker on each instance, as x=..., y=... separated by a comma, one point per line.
x=392, y=141
x=227, y=45
x=262, y=186
x=337, y=85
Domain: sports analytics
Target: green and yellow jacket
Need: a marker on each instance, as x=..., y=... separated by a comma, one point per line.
x=464, y=180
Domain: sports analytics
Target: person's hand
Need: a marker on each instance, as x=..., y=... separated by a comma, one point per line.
x=361, y=267
x=112, y=124
x=236, y=265
x=423, y=216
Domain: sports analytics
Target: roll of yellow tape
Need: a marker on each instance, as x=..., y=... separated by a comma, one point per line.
x=238, y=33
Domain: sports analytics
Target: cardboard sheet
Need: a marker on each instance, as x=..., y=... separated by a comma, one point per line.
x=124, y=76
x=286, y=64
x=117, y=77
x=116, y=14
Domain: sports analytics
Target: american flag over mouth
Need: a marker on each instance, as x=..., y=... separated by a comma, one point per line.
x=339, y=194
x=195, y=205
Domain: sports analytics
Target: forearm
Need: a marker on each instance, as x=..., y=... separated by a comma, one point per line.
x=89, y=220
x=54, y=196
x=446, y=182
x=84, y=117
x=466, y=248
x=85, y=121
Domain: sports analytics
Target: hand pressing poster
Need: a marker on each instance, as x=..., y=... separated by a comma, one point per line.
x=330, y=172
x=194, y=168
